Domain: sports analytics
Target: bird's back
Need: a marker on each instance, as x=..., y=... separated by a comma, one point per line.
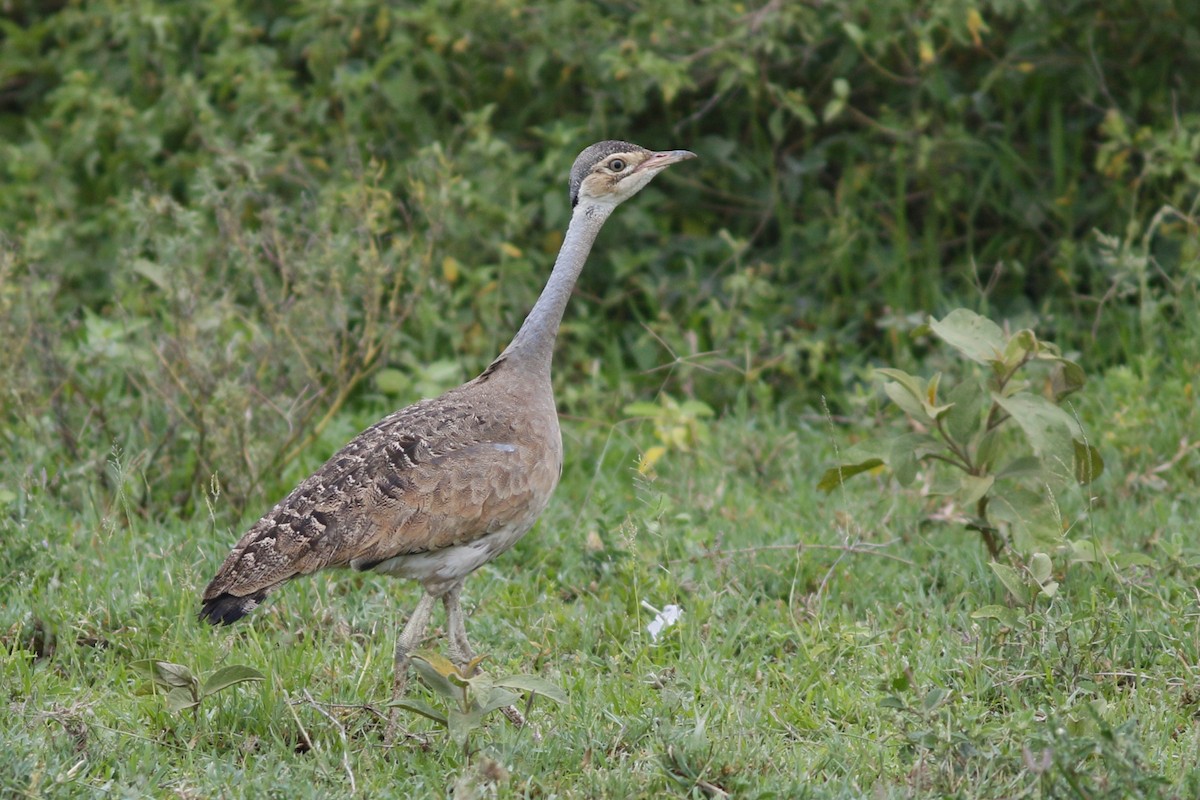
x=430, y=492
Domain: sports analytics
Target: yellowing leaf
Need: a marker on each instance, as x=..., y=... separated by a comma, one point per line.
x=975, y=24
x=925, y=52
x=650, y=458
x=510, y=250
x=451, y=269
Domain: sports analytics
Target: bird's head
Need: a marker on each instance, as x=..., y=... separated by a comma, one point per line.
x=608, y=173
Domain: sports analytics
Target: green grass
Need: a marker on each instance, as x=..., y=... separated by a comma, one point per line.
x=801, y=667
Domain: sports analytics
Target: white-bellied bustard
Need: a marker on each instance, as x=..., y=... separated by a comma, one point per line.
x=435, y=490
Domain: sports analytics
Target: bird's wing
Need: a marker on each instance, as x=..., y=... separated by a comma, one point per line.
x=406, y=485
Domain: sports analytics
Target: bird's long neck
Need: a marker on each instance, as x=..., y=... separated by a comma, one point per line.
x=533, y=346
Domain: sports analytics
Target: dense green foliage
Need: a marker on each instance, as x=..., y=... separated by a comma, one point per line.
x=220, y=218
x=234, y=233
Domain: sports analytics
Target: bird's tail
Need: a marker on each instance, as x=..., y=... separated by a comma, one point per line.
x=226, y=608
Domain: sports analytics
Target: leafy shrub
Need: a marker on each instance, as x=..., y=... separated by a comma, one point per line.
x=1006, y=486
x=861, y=162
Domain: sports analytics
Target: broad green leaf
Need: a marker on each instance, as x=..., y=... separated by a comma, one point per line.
x=1004, y=614
x=1022, y=345
x=1065, y=377
x=988, y=449
x=433, y=670
x=1123, y=560
x=1033, y=524
x=905, y=452
x=1012, y=581
x=912, y=383
x=167, y=674
x=975, y=487
x=391, y=381
x=460, y=724
x=498, y=698
x=903, y=463
x=228, y=676
x=908, y=392
x=1040, y=567
x=533, y=683
x=976, y=337
x=934, y=698
x=907, y=402
x=1085, y=551
x=1048, y=429
x=180, y=699
x=836, y=476
x=891, y=701
x=643, y=408
x=696, y=408
x=965, y=418
x=1088, y=462
x=417, y=707
x=1021, y=467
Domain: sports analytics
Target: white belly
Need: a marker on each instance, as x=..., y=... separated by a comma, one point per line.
x=441, y=569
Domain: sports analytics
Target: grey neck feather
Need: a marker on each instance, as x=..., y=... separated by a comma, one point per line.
x=533, y=346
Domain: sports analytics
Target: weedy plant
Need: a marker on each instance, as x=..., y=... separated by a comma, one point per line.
x=184, y=689
x=470, y=695
x=1011, y=445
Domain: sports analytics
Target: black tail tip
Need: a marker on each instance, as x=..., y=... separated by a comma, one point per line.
x=226, y=609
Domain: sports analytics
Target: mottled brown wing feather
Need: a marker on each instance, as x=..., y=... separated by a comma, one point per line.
x=432, y=475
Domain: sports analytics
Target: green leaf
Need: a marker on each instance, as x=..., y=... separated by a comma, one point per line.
x=907, y=402
x=906, y=450
x=498, y=698
x=1048, y=429
x=1021, y=346
x=1021, y=467
x=391, y=381
x=1034, y=524
x=228, y=676
x=1084, y=551
x=533, y=683
x=934, y=698
x=836, y=476
x=696, y=408
x=180, y=699
x=891, y=701
x=1012, y=581
x=1088, y=462
x=643, y=408
x=1003, y=614
x=417, y=707
x=433, y=670
x=461, y=723
x=975, y=487
x=976, y=337
x=1040, y=567
x=167, y=674
x=964, y=420
x=1066, y=377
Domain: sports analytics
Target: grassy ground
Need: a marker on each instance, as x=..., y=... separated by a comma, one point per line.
x=827, y=646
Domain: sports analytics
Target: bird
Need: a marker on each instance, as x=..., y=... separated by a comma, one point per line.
x=439, y=488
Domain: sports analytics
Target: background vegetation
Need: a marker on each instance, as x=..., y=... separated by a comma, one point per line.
x=233, y=234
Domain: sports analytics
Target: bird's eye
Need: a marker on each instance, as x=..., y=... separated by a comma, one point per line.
x=616, y=165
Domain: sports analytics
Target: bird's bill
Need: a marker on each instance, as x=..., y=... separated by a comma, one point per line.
x=665, y=158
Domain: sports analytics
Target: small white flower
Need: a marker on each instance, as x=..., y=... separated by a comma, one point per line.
x=662, y=619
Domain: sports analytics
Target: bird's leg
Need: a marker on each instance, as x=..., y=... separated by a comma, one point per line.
x=460, y=649
x=406, y=643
